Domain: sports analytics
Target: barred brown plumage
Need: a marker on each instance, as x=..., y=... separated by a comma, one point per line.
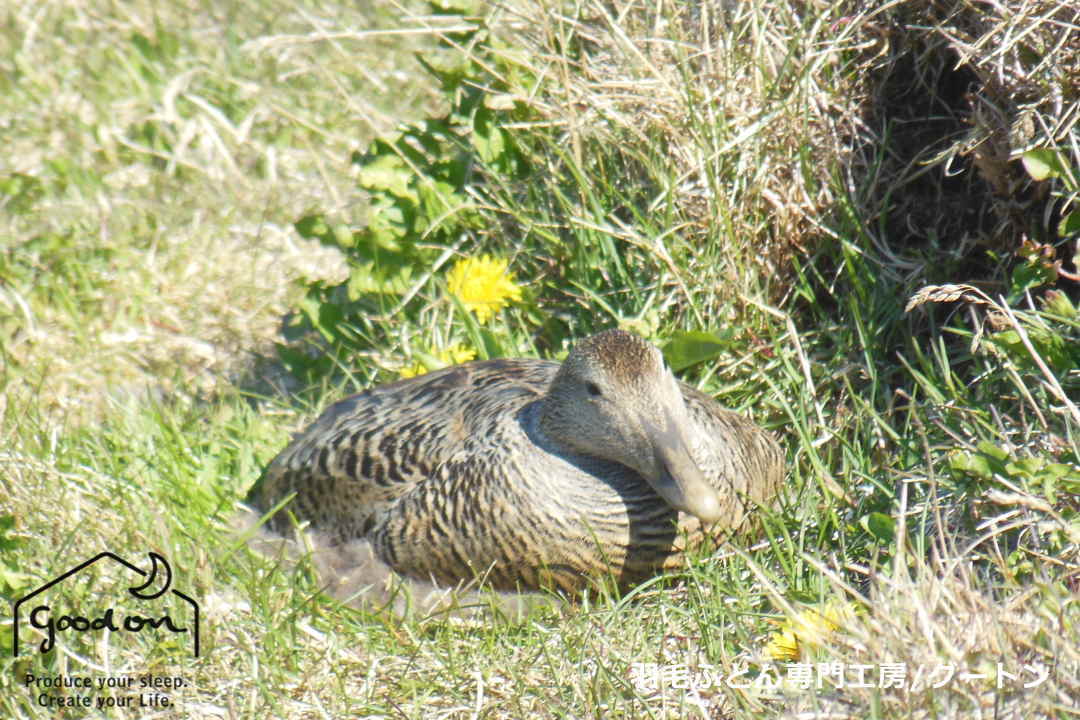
x=529, y=473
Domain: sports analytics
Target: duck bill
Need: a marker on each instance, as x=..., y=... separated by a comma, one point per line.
x=678, y=479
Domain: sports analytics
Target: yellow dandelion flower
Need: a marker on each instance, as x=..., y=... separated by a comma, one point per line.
x=783, y=645
x=483, y=285
x=808, y=629
x=413, y=370
x=453, y=355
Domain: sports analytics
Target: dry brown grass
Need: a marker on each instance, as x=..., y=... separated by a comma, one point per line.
x=955, y=644
x=957, y=93
x=924, y=108
x=748, y=105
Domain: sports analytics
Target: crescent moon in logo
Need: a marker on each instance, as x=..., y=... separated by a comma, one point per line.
x=144, y=591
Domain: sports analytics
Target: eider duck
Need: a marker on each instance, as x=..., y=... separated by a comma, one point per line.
x=529, y=474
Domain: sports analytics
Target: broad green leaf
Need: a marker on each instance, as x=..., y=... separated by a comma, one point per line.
x=880, y=525
x=7, y=524
x=438, y=199
x=988, y=448
x=316, y=227
x=1049, y=488
x=690, y=348
x=387, y=225
x=487, y=137
x=976, y=464
x=11, y=579
x=1043, y=163
x=387, y=173
x=312, y=227
x=1031, y=274
x=1058, y=303
x=1071, y=482
x=450, y=75
x=370, y=279
x=1025, y=467
x=1070, y=225
x=324, y=316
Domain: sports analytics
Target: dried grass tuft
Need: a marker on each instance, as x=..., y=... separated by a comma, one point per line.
x=924, y=107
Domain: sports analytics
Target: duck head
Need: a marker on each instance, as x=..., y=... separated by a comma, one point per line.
x=614, y=398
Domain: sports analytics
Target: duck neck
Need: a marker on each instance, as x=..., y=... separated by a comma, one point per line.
x=545, y=424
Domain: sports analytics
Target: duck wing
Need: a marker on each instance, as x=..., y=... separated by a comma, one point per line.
x=366, y=451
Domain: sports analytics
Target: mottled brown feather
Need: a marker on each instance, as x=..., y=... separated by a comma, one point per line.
x=451, y=475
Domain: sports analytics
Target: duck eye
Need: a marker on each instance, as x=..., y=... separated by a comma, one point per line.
x=593, y=389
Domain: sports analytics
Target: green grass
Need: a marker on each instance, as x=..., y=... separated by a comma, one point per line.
x=174, y=171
